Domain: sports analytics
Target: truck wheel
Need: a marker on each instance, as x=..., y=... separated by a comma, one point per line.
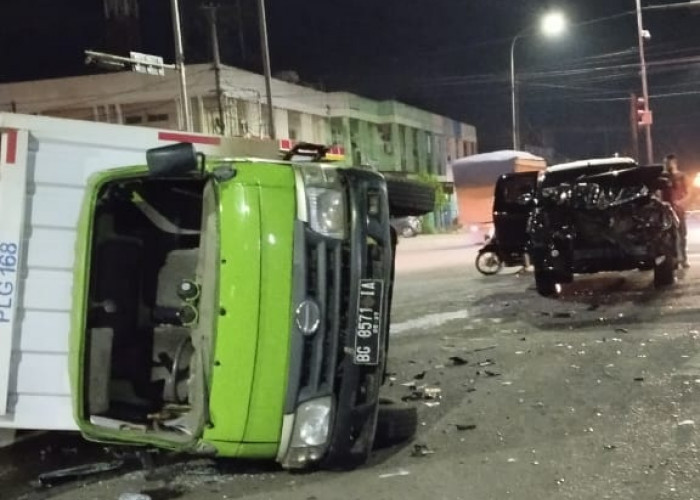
x=396, y=423
x=409, y=198
x=665, y=273
x=545, y=283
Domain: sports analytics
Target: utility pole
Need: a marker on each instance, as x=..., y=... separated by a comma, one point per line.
x=647, y=119
x=180, y=63
x=213, y=29
x=266, y=63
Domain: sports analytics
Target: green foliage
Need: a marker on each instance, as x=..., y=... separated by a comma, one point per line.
x=441, y=198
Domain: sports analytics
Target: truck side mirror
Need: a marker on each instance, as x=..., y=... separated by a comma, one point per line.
x=172, y=161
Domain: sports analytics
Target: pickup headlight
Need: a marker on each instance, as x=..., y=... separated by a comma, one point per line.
x=325, y=200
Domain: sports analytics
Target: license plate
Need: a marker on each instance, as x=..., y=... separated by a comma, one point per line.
x=369, y=322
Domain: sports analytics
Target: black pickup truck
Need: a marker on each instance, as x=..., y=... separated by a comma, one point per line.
x=598, y=215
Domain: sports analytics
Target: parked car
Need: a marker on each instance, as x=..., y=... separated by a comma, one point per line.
x=599, y=215
x=407, y=227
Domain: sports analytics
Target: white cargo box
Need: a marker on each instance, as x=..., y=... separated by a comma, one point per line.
x=44, y=166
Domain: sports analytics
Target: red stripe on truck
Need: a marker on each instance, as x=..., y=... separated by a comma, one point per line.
x=11, y=155
x=194, y=139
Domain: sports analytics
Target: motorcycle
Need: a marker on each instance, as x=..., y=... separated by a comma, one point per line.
x=507, y=246
x=493, y=257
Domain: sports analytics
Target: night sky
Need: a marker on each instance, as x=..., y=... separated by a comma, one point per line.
x=449, y=56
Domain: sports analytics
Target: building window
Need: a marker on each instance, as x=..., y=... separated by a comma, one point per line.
x=133, y=119
x=294, y=119
x=160, y=117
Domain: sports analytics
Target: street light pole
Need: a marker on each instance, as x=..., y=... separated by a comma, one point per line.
x=552, y=24
x=645, y=84
x=514, y=96
x=180, y=63
x=266, y=64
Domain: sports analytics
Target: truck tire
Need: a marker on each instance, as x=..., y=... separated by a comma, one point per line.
x=409, y=198
x=396, y=423
x=545, y=283
x=665, y=273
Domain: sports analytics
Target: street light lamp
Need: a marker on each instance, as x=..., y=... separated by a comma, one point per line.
x=552, y=25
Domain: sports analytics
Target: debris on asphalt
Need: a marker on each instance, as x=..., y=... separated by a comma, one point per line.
x=458, y=361
x=134, y=496
x=639, y=379
x=562, y=315
x=512, y=460
x=560, y=481
x=421, y=450
x=609, y=447
x=432, y=404
x=686, y=423
x=489, y=373
x=48, y=479
x=482, y=349
x=465, y=427
x=621, y=330
x=423, y=392
x=398, y=473
x=507, y=382
x=419, y=376
x=487, y=362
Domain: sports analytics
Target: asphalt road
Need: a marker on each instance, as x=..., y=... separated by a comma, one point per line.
x=594, y=395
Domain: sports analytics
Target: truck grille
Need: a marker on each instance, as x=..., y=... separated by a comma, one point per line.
x=324, y=284
x=328, y=272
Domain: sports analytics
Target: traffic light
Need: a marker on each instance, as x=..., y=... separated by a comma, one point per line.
x=644, y=116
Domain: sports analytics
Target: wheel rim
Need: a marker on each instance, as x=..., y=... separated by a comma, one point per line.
x=488, y=263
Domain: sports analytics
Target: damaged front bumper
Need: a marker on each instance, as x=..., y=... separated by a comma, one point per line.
x=587, y=228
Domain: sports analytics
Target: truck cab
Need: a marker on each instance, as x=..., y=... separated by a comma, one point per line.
x=233, y=307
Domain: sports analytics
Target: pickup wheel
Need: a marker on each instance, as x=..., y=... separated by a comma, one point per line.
x=545, y=283
x=409, y=198
x=396, y=423
x=665, y=273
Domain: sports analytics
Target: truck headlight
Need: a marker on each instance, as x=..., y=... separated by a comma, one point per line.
x=325, y=202
x=312, y=423
x=326, y=209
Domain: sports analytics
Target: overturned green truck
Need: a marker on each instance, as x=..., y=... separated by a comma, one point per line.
x=236, y=307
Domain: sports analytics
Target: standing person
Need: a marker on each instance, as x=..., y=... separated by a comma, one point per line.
x=679, y=199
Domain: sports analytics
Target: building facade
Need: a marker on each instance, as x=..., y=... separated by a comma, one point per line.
x=389, y=135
